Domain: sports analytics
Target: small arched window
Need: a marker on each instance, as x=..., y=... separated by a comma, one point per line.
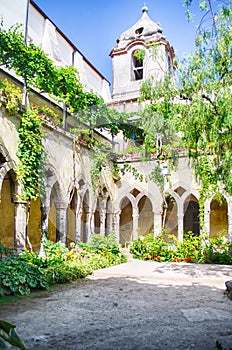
x=137, y=64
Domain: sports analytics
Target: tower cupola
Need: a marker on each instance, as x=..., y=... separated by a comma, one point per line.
x=133, y=59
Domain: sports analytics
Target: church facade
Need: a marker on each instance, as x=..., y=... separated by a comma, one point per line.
x=71, y=209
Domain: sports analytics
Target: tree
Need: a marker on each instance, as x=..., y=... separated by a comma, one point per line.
x=196, y=102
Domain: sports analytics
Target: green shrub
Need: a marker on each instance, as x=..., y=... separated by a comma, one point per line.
x=28, y=271
x=54, y=251
x=103, y=244
x=67, y=271
x=189, y=250
x=150, y=248
x=193, y=249
x=217, y=251
x=20, y=277
x=4, y=251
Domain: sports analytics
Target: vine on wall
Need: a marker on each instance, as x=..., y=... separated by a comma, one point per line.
x=12, y=96
x=31, y=155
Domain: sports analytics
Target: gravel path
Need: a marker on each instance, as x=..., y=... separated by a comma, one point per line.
x=134, y=306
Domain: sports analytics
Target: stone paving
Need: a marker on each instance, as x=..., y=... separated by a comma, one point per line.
x=138, y=305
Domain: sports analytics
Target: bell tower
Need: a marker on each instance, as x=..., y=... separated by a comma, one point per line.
x=140, y=52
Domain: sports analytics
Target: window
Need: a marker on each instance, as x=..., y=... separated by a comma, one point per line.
x=137, y=67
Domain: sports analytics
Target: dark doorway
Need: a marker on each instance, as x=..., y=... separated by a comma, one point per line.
x=191, y=217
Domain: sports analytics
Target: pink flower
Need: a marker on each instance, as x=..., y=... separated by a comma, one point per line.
x=86, y=257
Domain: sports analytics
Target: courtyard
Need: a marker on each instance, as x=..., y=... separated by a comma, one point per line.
x=136, y=305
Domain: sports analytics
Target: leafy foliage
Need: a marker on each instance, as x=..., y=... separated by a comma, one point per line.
x=193, y=249
x=139, y=54
x=12, y=95
x=5, y=251
x=9, y=335
x=104, y=243
x=66, y=265
x=135, y=172
x=19, y=276
x=98, y=163
x=205, y=82
x=28, y=271
x=31, y=155
x=32, y=64
x=192, y=110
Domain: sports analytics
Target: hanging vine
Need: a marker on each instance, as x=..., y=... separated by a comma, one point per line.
x=96, y=167
x=31, y=155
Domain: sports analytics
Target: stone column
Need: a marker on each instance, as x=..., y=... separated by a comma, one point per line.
x=44, y=226
x=207, y=220
x=102, y=221
x=20, y=222
x=157, y=223
x=117, y=225
x=135, y=217
x=180, y=225
x=78, y=224
x=61, y=221
x=44, y=218
x=91, y=222
x=88, y=226
x=109, y=222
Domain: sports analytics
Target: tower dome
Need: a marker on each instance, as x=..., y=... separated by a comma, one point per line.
x=134, y=61
x=144, y=29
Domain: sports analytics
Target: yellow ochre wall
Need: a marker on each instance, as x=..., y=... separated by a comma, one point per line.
x=6, y=215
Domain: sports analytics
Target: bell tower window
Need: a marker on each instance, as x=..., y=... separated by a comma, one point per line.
x=137, y=65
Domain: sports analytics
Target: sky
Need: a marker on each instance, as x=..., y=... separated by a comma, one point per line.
x=94, y=25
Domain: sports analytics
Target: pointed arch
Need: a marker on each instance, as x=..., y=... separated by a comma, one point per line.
x=55, y=196
x=6, y=166
x=218, y=216
x=170, y=215
x=97, y=217
x=126, y=221
x=146, y=217
x=191, y=215
x=34, y=225
x=150, y=190
x=7, y=226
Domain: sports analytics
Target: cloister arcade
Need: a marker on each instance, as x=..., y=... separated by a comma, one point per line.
x=70, y=210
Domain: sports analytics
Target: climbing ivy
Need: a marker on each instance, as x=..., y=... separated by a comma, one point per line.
x=135, y=172
x=63, y=84
x=31, y=155
x=12, y=96
x=98, y=163
x=157, y=177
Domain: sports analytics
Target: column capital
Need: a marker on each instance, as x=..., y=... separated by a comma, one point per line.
x=18, y=200
x=102, y=211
